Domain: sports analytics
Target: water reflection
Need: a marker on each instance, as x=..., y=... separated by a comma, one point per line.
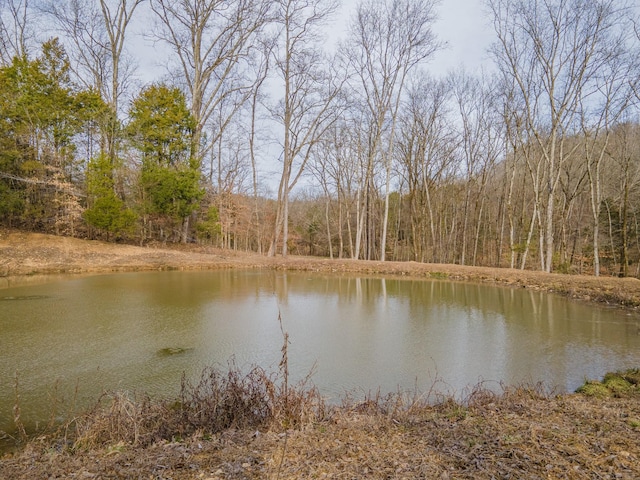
x=105, y=332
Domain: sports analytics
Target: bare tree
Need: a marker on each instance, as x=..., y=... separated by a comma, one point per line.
x=621, y=185
x=387, y=40
x=608, y=100
x=425, y=146
x=305, y=110
x=213, y=46
x=481, y=143
x=98, y=32
x=262, y=70
x=16, y=29
x=96, y=36
x=550, y=48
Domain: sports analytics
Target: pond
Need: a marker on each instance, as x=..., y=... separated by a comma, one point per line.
x=71, y=339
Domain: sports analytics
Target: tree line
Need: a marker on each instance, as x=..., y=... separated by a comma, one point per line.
x=532, y=163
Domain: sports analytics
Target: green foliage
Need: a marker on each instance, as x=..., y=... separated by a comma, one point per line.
x=171, y=191
x=615, y=384
x=11, y=202
x=111, y=215
x=106, y=212
x=594, y=389
x=161, y=129
x=41, y=114
x=161, y=126
x=210, y=227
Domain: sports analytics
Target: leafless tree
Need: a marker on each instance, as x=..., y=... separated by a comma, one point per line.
x=387, y=40
x=212, y=42
x=310, y=88
x=481, y=134
x=96, y=34
x=609, y=98
x=426, y=140
x=551, y=50
x=16, y=29
x=97, y=31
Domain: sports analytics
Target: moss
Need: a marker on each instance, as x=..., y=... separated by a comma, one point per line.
x=594, y=389
x=632, y=376
x=616, y=384
x=440, y=275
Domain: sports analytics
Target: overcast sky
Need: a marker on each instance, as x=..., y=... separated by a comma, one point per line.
x=462, y=24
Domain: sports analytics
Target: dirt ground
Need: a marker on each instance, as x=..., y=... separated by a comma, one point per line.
x=521, y=433
x=24, y=257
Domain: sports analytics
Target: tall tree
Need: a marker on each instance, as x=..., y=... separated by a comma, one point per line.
x=310, y=88
x=42, y=113
x=213, y=44
x=551, y=49
x=96, y=35
x=481, y=144
x=387, y=39
x=426, y=147
x=160, y=128
x=608, y=102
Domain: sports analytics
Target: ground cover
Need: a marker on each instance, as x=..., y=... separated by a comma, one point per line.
x=252, y=428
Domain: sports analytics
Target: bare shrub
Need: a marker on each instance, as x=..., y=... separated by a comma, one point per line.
x=218, y=401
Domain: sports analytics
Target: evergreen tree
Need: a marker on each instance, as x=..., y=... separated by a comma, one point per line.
x=41, y=114
x=106, y=210
x=160, y=128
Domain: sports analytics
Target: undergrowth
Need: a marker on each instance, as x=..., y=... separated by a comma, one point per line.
x=217, y=402
x=233, y=400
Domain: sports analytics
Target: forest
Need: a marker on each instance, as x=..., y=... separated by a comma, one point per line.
x=261, y=135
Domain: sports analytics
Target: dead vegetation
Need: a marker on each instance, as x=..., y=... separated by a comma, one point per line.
x=255, y=426
x=25, y=257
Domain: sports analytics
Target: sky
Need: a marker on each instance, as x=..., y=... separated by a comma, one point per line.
x=465, y=27
x=462, y=24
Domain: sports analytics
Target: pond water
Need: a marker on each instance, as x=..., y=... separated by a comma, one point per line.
x=74, y=338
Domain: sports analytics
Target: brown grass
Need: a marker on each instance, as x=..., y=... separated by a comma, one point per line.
x=219, y=401
x=241, y=426
x=24, y=257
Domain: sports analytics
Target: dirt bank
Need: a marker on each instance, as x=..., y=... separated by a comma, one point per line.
x=29, y=254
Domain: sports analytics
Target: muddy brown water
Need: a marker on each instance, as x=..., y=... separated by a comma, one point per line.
x=66, y=341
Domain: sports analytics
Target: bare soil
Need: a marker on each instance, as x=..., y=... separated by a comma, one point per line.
x=522, y=433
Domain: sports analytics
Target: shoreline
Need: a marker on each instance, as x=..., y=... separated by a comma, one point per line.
x=26, y=257
x=288, y=433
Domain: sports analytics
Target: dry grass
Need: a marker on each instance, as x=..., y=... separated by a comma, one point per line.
x=250, y=426
x=218, y=402
x=25, y=256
